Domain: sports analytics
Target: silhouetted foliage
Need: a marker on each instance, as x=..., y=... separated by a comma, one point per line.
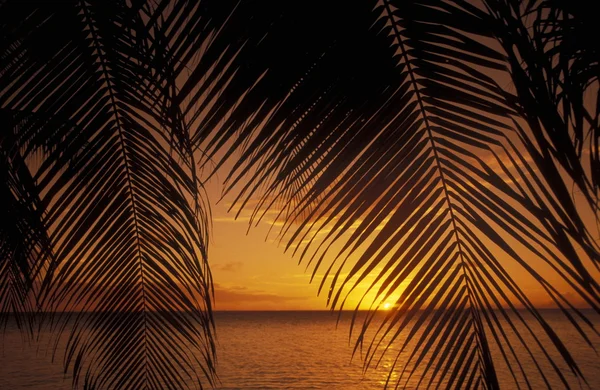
x=427, y=146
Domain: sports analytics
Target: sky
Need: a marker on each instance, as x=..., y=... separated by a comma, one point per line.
x=250, y=268
x=251, y=271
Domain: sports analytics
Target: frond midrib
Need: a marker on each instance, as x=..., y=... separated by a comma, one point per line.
x=482, y=347
x=130, y=188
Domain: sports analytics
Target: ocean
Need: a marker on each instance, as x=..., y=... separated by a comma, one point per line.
x=287, y=350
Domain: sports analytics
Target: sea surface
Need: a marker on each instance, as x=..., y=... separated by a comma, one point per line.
x=296, y=350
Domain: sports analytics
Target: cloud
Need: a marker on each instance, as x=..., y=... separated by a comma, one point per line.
x=231, y=219
x=226, y=297
x=232, y=266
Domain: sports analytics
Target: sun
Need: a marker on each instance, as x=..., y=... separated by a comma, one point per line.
x=387, y=306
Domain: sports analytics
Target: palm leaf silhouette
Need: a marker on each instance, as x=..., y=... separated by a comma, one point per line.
x=123, y=206
x=430, y=185
x=24, y=244
x=555, y=66
x=380, y=132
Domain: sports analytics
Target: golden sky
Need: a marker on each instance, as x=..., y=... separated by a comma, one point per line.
x=252, y=272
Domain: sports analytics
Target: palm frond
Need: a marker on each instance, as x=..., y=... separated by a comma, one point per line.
x=380, y=132
x=122, y=203
x=554, y=63
x=24, y=244
x=429, y=193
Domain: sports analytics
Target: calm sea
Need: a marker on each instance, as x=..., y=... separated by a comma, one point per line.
x=284, y=350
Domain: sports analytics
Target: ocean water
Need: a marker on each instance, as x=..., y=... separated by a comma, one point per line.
x=294, y=350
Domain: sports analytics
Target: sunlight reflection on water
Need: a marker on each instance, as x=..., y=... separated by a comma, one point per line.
x=292, y=350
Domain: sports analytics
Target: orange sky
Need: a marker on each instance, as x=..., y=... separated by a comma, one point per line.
x=252, y=272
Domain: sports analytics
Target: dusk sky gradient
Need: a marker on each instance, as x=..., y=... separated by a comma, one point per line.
x=251, y=271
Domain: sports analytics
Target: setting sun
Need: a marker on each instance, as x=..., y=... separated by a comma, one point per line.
x=387, y=306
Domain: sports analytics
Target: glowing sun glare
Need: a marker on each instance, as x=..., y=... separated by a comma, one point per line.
x=386, y=306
